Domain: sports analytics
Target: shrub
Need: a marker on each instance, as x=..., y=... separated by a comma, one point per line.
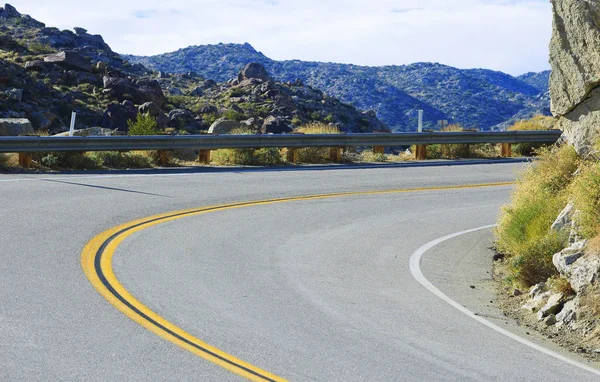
x=4, y=160
x=70, y=160
x=115, y=159
x=523, y=233
x=247, y=157
x=233, y=115
x=315, y=154
x=585, y=192
x=144, y=125
x=454, y=151
x=370, y=156
x=39, y=48
x=539, y=122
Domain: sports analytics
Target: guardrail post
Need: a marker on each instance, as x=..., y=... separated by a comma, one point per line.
x=335, y=154
x=204, y=156
x=421, y=153
x=506, y=150
x=292, y=155
x=25, y=160
x=162, y=155
x=380, y=149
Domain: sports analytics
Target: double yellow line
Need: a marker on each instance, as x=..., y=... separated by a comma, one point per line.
x=97, y=256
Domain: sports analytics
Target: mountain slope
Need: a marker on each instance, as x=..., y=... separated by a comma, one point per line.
x=46, y=73
x=474, y=98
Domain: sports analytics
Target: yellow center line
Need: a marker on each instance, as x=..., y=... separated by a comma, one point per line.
x=97, y=257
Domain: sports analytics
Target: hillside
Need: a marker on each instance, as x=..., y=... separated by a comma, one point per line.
x=45, y=73
x=474, y=98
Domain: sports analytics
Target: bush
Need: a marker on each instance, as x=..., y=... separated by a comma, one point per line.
x=115, y=159
x=585, y=192
x=315, y=154
x=454, y=151
x=539, y=122
x=144, y=125
x=233, y=115
x=247, y=157
x=523, y=233
x=70, y=160
x=370, y=156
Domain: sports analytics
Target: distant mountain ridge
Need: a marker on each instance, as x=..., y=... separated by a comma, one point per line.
x=474, y=97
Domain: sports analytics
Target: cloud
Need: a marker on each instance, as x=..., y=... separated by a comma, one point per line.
x=506, y=35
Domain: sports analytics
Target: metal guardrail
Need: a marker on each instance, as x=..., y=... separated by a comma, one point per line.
x=214, y=142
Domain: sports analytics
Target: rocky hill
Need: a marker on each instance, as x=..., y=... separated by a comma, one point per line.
x=45, y=73
x=474, y=98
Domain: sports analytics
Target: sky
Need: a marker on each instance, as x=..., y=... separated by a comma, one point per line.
x=507, y=35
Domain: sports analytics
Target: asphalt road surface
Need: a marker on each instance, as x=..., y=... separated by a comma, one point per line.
x=308, y=290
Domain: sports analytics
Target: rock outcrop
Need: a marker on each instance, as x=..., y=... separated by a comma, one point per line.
x=575, y=78
x=15, y=126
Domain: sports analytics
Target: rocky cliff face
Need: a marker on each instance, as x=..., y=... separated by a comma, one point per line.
x=575, y=78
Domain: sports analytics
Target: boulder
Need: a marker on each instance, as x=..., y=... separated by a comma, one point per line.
x=553, y=306
x=254, y=71
x=138, y=92
x=575, y=60
x=564, y=221
x=175, y=92
x=15, y=127
x=149, y=108
x=90, y=132
x=275, y=125
x=70, y=60
x=44, y=119
x=76, y=77
x=9, y=11
x=197, y=92
x=117, y=116
x=582, y=270
x=209, y=109
x=180, y=118
x=224, y=126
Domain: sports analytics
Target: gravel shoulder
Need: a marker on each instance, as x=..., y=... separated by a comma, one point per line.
x=463, y=269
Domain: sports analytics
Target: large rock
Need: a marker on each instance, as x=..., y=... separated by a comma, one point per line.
x=70, y=60
x=275, y=125
x=138, y=92
x=149, y=108
x=575, y=59
x=254, y=70
x=117, y=116
x=15, y=126
x=581, y=269
x=224, y=126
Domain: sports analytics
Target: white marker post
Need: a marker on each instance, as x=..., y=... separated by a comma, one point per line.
x=72, y=129
x=420, y=129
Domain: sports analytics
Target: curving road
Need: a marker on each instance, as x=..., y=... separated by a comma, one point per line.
x=309, y=290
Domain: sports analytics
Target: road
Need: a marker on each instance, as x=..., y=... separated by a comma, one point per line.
x=309, y=290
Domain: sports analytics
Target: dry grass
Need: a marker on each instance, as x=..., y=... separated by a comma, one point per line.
x=523, y=233
x=539, y=122
x=585, y=192
x=315, y=154
x=560, y=285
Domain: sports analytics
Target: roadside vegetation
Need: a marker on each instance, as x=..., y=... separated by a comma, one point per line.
x=523, y=234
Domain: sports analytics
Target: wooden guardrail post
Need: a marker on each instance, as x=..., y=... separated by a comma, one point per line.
x=162, y=155
x=204, y=156
x=380, y=149
x=292, y=155
x=421, y=153
x=335, y=154
x=506, y=150
x=25, y=160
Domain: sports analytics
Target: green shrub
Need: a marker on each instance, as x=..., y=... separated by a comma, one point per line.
x=115, y=159
x=39, y=48
x=585, y=192
x=247, y=157
x=233, y=115
x=69, y=160
x=144, y=125
x=370, y=156
x=523, y=233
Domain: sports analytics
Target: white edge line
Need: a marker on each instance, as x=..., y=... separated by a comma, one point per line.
x=415, y=269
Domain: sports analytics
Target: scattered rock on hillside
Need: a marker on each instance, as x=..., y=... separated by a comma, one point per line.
x=149, y=108
x=575, y=78
x=70, y=60
x=15, y=126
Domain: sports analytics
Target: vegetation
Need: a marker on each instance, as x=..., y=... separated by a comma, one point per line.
x=315, y=154
x=144, y=125
x=523, y=232
x=115, y=159
x=539, y=122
